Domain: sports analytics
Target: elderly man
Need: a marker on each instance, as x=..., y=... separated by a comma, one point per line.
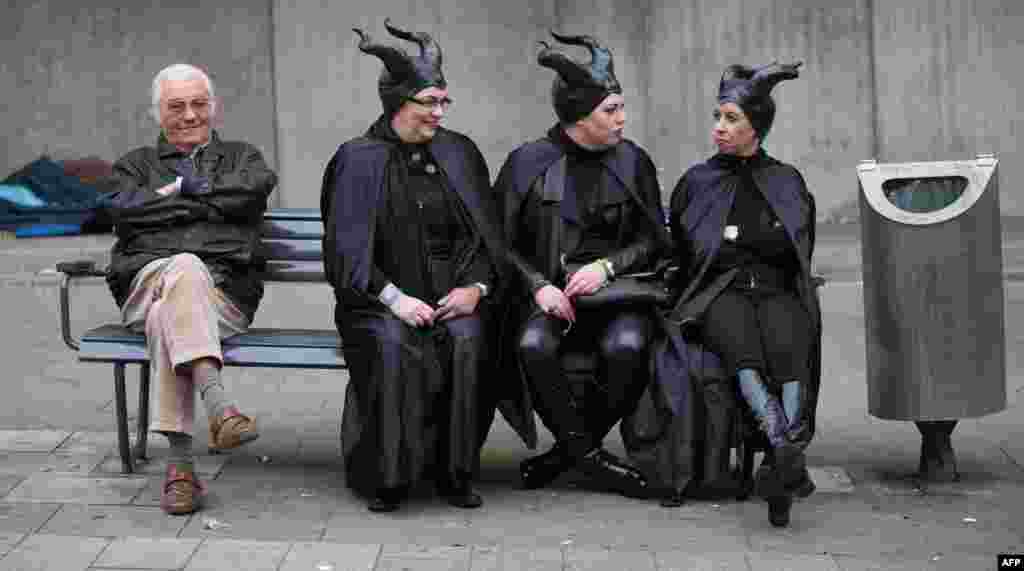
x=187, y=214
x=411, y=255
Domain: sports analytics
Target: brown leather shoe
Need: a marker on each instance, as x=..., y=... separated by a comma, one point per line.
x=231, y=430
x=182, y=492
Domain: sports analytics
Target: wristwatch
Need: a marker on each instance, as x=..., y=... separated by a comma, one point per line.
x=484, y=290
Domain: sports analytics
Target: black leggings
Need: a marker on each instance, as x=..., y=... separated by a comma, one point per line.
x=760, y=329
x=621, y=342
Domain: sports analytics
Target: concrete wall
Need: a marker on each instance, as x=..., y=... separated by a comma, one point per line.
x=897, y=80
x=949, y=85
x=327, y=88
x=76, y=78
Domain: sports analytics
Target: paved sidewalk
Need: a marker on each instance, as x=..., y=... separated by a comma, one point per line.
x=64, y=506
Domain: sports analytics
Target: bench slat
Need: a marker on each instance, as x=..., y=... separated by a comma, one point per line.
x=296, y=229
x=291, y=348
x=287, y=249
x=284, y=271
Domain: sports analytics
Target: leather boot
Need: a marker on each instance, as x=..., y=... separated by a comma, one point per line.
x=611, y=473
x=387, y=499
x=789, y=463
x=459, y=492
x=542, y=469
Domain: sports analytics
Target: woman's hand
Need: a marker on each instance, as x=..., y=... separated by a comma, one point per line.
x=552, y=301
x=587, y=280
x=413, y=311
x=460, y=301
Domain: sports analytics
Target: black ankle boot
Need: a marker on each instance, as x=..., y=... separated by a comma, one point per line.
x=611, y=473
x=460, y=493
x=778, y=510
x=542, y=469
x=387, y=500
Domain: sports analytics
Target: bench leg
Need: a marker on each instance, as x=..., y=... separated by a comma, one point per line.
x=121, y=406
x=143, y=416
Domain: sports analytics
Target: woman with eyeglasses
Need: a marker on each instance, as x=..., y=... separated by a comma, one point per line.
x=581, y=206
x=410, y=252
x=743, y=224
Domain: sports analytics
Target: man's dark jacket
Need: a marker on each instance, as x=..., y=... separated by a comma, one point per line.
x=537, y=232
x=221, y=226
x=700, y=205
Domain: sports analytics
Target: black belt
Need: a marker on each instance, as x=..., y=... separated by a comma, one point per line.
x=761, y=277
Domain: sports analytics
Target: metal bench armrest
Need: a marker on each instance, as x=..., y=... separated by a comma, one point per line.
x=70, y=271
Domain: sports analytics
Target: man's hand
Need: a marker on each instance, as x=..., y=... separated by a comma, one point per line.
x=587, y=280
x=412, y=311
x=552, y=301
x=460, y=301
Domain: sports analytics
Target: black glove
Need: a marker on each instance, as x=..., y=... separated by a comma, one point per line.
x=191, y=182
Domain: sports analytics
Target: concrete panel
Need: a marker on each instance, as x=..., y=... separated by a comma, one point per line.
x=327, y=89
x=948, y=84
x=76, y=77
x=823, y=123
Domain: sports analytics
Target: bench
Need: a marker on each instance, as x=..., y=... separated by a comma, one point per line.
x=290, y=242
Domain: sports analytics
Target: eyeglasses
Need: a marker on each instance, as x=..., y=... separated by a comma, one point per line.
x=433, y=102
x=180, y=107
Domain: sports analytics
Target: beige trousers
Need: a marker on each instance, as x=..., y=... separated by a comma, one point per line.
x=184, y=316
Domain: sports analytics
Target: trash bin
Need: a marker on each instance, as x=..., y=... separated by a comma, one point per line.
x=933, y=290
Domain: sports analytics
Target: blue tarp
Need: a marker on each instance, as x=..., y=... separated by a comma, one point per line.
x=42, y=200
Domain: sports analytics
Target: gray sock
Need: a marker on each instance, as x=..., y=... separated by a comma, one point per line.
x=181, y=449
x=206, y=376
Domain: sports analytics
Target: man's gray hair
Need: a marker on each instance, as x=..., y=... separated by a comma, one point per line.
x=178, y=72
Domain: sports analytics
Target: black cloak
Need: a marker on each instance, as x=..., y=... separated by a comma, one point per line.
x=626, y=166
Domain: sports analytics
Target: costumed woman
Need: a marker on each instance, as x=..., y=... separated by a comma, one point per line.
x=743, y=224
x=409, y=249
x=581, y=206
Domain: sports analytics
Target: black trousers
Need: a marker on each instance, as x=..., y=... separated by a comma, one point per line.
x=763, y=329
x=621, y=341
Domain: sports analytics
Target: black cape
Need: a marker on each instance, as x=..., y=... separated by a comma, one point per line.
x=626, y=164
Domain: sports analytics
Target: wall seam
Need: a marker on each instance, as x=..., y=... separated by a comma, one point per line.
x=278, y=199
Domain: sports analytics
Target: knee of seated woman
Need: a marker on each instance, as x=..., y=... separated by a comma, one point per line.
x=624, y=342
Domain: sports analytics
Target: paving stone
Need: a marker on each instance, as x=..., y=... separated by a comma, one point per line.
x=32, y=440
x=516, y=558
x=155, y=464
x=831, y=479
x=8, y=483
x=879, y=563
x=331, y=557
x=419, y=564
x=53, y=553
x=147, y=552
x=28, y=463
x=50, y=487
x=699, y=560
x=219, y=554
x=25, y=517
x=417, y=551
x=261, y=513
x=8, y=540
x=113, y=521
x=608, y=560
x=769, y=561
x=91, y=442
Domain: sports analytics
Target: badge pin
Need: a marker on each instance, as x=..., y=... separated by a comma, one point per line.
x=415, y=157
x=776, y=224
x=731, y=232
x=431, y=169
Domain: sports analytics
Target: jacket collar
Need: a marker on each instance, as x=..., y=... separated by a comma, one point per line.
x=166, y=149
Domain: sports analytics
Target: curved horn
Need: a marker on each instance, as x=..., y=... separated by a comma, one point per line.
x=600, y=56
x=570, y=71
x=395, y=60
x=767, y=77
x=428, y=47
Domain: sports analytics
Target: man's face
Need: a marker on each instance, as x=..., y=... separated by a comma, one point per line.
x=604, y=126
x=732, y=132
x=186, y=109
x=418, y=118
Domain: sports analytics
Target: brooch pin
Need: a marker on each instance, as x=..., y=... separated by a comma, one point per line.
x=431, y=169
x=731, y=232
x=415, y=157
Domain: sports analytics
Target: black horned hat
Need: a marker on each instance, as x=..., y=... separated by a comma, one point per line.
x=579, y=88
x=403, y=75
x=751, y=89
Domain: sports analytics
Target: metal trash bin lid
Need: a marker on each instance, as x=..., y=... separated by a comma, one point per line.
x=873, y=175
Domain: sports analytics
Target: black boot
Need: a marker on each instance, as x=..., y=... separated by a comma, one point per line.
x=789, y=464
x=387, y=499
x=611, y=473
x=542, y=469
x=459, y=493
